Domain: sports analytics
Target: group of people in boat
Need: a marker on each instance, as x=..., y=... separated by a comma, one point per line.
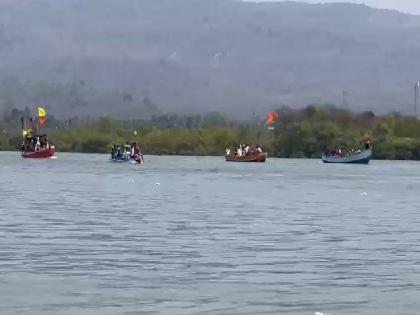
x=127, y=152
x=34, y=143
x=244, y=150
x=338, y=153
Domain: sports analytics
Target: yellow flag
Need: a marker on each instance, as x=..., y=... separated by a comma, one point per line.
x=41, y=115
x=41, y=112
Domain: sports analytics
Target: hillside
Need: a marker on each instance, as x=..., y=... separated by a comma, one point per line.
x=132, y=58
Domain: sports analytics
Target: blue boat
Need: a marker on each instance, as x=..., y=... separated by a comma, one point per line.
x=362, y=157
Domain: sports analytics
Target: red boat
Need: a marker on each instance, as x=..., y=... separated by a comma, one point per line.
x=34, y=144
x=43, y=153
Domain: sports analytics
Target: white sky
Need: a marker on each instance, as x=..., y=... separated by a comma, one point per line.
x=408, y=6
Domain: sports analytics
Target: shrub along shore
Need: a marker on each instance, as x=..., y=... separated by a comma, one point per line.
x=303, y=133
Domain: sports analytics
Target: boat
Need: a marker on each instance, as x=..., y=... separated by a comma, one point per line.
x=34, y=144
x=119, y=160
x=42, y=153
x=362, y=157
x=250, y=157
x=125, y=156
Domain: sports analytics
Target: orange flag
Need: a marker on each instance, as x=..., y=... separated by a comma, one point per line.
x=271, y=118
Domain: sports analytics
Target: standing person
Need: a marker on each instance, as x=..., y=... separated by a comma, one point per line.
x=47, y=145
x=140, y=154
x=42, y=142
x=132, y=153
x=37, y=144
x=33, y=143
x=239, y=151
x=125, y=153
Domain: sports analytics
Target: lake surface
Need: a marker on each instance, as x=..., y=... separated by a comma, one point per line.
x=197, y=235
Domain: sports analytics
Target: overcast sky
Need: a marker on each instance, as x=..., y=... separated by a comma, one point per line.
x=409, y=6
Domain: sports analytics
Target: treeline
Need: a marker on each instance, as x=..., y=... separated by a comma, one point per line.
x=208, y=134
x=297, y=133
x=312, y=130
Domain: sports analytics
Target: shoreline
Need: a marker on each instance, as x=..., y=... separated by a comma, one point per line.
x=209, y=155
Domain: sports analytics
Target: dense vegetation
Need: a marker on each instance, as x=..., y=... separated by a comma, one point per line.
x=298, y=133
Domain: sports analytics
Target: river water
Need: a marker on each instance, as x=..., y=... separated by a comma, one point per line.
x=197, y=235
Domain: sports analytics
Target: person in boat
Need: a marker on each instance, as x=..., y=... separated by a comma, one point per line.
x=135, y=150
x=239, y=151
x=258, y=148
x=37, y=144
x=246, y=149
x=367, y=145
x=136, y=153
x=42, y=143
x=336, y=152
x=228, y=151
x=118, y=153
x=127, y=151
x=123, y=152
x=32, y=143
x=46, y=143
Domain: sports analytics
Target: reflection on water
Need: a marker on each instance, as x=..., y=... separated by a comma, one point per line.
x=188, y=235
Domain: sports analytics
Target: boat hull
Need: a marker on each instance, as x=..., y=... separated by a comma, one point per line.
x=40, y=154
x=119, y=160
x=256, y=157
x=131, y=161
x=358, y=158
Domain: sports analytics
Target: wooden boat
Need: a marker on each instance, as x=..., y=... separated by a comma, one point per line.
x=250, y=157
x=362, y=157
x=43, y=153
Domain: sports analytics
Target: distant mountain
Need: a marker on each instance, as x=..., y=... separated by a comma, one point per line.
x=105, y=57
